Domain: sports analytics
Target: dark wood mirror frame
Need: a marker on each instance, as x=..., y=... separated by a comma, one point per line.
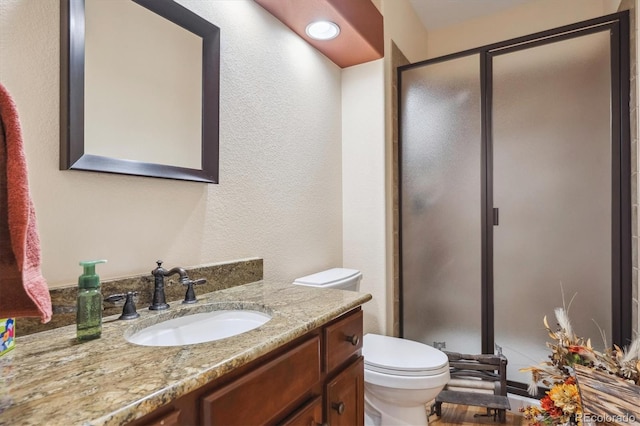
x=72, y=155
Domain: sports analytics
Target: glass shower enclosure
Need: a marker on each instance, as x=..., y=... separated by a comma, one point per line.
x=514, y=193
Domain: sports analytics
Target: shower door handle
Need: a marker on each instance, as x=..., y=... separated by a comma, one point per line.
x=496, y=216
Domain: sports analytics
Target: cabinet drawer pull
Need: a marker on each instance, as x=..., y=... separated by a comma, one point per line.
x=353, y=339
x=338, y=406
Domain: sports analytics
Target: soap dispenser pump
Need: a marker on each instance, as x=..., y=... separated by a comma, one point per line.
x=89, y=306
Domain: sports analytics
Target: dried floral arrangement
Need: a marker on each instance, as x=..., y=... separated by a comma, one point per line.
x=561, y=403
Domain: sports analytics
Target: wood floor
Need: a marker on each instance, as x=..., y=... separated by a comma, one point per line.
x=456, y=415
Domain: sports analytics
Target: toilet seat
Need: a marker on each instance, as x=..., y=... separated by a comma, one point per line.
x=402, y=357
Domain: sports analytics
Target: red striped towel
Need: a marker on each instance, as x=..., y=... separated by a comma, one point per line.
x=23, y=289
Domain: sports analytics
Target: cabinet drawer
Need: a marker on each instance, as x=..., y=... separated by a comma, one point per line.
x=262, y=395
x=310, y=414
x=343, y=339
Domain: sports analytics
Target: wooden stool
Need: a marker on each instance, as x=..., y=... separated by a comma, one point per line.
x=477, y=380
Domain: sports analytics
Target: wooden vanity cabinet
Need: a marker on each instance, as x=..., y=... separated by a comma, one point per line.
x=316, y=379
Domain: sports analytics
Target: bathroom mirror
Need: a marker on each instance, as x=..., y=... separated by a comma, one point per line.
x=139, y=89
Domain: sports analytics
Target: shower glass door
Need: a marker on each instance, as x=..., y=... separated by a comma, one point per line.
x=440, y=167
x=552, y=168
x=515, y=193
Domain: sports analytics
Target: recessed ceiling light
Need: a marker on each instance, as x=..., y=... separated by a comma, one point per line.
x=323, y=30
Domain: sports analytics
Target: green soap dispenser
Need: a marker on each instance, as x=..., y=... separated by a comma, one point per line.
x=89, y=307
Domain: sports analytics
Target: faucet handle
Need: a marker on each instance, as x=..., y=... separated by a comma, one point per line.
x=129, y=309
x=112, y=298
x=190, y=295
x=159, y=270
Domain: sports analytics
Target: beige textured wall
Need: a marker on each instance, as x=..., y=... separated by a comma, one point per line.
x=363, y=201
x=279, y=195
x=404, y=28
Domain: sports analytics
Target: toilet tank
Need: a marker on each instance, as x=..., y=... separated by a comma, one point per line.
x=341, y=278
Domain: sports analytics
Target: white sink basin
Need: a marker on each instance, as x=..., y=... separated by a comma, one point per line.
x=199, y=328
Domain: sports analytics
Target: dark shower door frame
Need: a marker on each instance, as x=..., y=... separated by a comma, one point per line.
x=621, y=262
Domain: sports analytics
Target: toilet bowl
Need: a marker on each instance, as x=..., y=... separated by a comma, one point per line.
x=400, y=375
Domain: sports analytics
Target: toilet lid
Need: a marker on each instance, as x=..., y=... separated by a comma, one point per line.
x=402, y=357
x=327, y=277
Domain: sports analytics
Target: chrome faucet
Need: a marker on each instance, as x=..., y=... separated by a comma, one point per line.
x=159, y=302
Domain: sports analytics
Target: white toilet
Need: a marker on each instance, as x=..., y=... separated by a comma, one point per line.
x=400, y=376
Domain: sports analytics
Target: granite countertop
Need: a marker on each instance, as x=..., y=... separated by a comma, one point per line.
x=50, y=378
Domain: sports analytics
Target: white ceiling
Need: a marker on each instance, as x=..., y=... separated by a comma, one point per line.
x=442, y=13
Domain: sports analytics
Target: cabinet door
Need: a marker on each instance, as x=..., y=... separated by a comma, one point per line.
x=345, y=396
x=309, y=415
